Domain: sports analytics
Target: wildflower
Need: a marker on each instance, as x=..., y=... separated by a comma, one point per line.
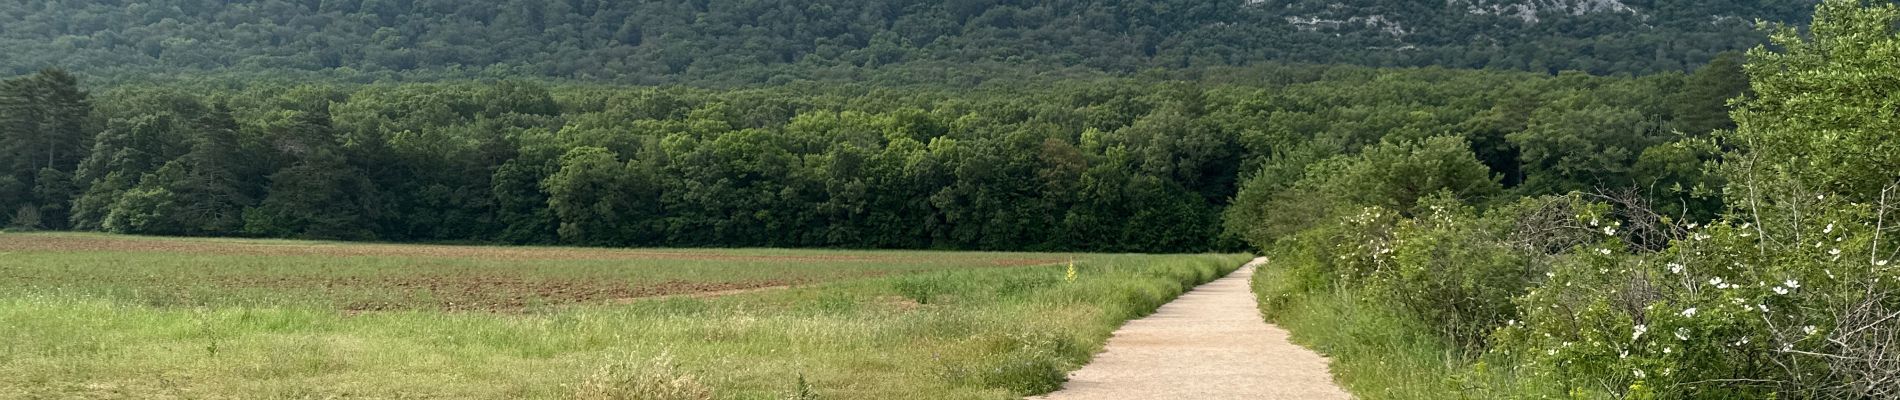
x=1603, y=251
x=1830, y=229
x=1792, y=284
x=1810, y=330
x=1609, y=230
x=1717, y=281
x=1675, y=268
x=1763, y=307
x=1593, y=222
x=1693, y=225
x=1834, y=252
x=1781, y=290
x=1689, y=312
x=1667, y=350
x=1882, y=263
x=1683, y=333
x=1639, y=374
x=1640, y=330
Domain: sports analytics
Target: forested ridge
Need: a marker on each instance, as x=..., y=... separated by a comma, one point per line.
x=775, y=41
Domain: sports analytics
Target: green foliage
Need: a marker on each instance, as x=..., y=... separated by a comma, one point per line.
x=1824, y=107
x=777, y=41
x=1398, y=176
x=1789, y=293
x=1454, y=271
x=1143, y=164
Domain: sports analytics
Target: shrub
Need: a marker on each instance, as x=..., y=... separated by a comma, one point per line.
x=1454, y=271
x=1730, y=310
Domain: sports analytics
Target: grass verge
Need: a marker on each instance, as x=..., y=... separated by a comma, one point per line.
x=1379, y=352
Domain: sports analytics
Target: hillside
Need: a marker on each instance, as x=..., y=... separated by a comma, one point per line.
x=666, y=41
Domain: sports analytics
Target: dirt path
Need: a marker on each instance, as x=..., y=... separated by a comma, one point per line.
x=1209, y=344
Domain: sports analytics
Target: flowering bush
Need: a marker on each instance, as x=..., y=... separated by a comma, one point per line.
x=1729, y=310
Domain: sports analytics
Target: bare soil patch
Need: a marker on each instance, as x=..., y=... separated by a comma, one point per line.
x=233, y=247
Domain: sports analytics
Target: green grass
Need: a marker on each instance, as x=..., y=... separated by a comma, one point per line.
x=864, y=325
x=1379, y=352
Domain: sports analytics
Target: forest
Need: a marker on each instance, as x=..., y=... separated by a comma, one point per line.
x=1103, y=163
x=777, y=41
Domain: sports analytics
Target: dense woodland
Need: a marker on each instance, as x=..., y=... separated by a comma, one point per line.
x=1110, y=164
x=775, y=41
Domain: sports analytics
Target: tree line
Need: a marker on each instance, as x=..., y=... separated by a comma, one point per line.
x=1147, y=164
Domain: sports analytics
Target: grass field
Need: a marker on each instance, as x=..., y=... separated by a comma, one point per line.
x=101, y=316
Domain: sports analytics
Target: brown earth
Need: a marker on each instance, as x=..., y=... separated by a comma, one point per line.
x=10, y=243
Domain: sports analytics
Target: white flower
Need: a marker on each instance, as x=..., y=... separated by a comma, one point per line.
x=1675, y=268
x=1667, y=350
x=1810, y=330
x=1693, y=225
x=1551, y=352
x=1603, y=251
x=1830, y=229
x=1834, y=252
x=1683, y=333
x=1792, y=284
x=1701, y=237
x=1593, y=222
x=1781, y=290
x=1609, y=230
x=1639, y=374
x=1689, y=312
x=1882, y=263
x=1717, y=281
x=1763, y=307
x=1640, y=330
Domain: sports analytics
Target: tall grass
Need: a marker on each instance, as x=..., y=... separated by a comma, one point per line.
x=1379, y=352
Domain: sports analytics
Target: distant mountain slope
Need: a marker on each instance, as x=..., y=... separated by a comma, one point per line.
x=751, y=40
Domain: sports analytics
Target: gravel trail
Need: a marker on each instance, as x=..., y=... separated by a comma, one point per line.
x=1208, y=344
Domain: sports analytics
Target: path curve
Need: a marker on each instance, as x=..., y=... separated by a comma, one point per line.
x=1210, y=343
